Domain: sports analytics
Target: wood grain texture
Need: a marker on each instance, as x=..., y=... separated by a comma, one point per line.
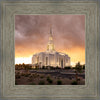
x=10, y=90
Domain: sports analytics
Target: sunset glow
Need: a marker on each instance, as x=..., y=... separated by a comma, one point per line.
x=31, y=36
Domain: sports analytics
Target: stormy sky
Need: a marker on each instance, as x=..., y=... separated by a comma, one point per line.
x=32, y=32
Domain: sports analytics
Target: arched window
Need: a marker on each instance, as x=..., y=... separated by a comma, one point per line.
x=62, y=63
x=59, y=61
x=46, y=60
x=38, y=59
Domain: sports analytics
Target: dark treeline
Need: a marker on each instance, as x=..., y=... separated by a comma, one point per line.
x=23, y=66
x=78, y=67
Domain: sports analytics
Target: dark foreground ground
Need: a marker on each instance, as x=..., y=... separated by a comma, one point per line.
x=49, y=77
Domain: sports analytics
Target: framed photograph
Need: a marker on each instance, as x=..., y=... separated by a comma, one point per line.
x=46, y=55
x=49, y=50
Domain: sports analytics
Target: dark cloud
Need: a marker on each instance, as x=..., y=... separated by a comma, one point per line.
x=31, y=31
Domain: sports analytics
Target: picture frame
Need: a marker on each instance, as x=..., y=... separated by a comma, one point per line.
x=91, y=89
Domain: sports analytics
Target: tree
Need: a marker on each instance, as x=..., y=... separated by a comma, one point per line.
x=67, y=67
x=84, y=66
x=78, y=69
x=36, y=66
x=43, y=67
x=19, y=66
x=23, y=66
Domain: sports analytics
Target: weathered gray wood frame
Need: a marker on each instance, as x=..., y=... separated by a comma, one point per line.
x=7, y=54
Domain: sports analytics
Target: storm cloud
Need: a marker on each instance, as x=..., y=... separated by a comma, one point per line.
x=32, y=32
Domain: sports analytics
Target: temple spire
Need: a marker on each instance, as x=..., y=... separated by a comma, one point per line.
x=51, y=31
x=50, y=46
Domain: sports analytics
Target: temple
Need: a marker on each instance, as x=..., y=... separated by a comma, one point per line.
x=51, y=57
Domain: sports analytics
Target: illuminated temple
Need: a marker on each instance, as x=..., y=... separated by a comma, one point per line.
x=51, y=57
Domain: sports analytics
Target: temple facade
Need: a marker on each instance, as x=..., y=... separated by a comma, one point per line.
x=51, y=57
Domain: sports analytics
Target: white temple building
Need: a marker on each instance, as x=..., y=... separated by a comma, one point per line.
x=51, y=57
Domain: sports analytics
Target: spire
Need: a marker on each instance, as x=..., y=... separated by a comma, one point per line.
x=51, y=30
x=50, y=46
x=50, y=34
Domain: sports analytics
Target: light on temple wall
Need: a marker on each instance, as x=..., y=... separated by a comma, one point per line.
x=51, y=59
